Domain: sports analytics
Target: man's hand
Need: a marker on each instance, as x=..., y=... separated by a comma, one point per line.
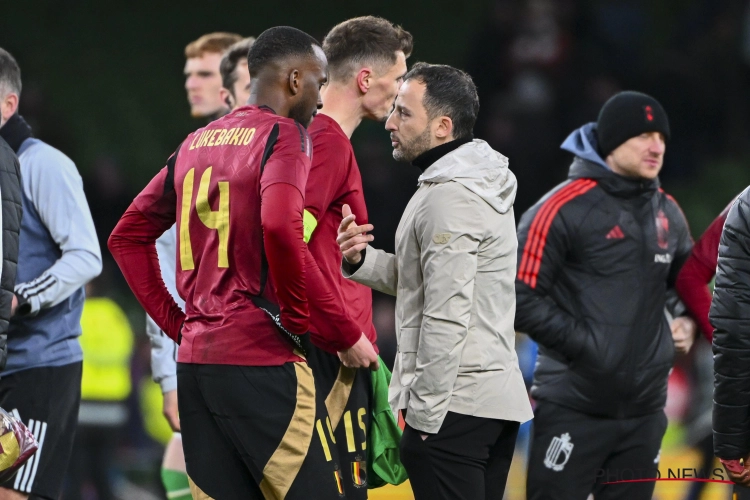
x=360, y=355
x=684, y=330
x=738, y=472
x=170, y=410
x=13, y=305
x=352, y=239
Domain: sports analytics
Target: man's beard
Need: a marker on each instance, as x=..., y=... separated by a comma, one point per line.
x=408, y=151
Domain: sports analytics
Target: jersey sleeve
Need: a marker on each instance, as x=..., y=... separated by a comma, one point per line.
x=693, y=278
x=133, y=245
x=281, y=216
x=544, y=240
x=289, y=162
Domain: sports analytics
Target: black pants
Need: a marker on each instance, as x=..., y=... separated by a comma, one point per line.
x=574, y=454
x=248, y=432
x=346, y=395
x=468, y=459
x=46, y=400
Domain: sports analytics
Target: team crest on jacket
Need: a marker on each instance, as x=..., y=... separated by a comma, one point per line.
x=359, y=472
x=558, y=452
x=662, y=230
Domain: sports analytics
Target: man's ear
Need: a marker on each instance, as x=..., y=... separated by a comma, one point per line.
x=443, y=128
x=9, y=105
x=226, y=97
x=364, y=79
x=294, y=81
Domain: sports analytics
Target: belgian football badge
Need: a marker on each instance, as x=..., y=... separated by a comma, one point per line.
x=339, y=482
x=359, y=472
x=558, y=452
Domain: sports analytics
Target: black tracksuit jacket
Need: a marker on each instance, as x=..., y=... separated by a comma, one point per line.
x=730, y=316
x=596, y=258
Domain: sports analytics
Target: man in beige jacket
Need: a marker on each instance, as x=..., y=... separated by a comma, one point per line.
x=456, y=375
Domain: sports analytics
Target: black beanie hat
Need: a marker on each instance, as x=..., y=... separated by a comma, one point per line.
x=629, y=114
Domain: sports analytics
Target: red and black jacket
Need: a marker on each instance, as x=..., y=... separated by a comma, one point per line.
x=596, y=258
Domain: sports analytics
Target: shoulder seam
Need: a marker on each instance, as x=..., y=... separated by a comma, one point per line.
x=536, y=239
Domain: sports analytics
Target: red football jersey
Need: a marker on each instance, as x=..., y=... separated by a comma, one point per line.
x=335, y=180
x=214, y=191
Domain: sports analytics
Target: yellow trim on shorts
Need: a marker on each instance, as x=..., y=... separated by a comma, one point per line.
x=339, y=395
x=196, y=492
x=284, y=465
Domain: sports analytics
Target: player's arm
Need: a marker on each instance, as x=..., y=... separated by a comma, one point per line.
x=282, y=204
x=730, y=315
x=328, y=172
x=56, y=191
x=298, y=278
x=684, y=327
x=449, y=270
x=537, y=314
x=699, y=269
x=133, y=245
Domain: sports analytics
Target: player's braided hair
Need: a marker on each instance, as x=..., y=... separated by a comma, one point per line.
x=278, y=43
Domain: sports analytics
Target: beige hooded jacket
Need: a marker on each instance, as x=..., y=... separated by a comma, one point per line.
x=453, y=278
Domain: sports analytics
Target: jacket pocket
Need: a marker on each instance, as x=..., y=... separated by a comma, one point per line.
x=408, y=342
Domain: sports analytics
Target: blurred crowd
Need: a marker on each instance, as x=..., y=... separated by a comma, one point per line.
x=542, y=67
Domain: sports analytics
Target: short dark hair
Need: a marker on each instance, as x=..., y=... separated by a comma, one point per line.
x=214, y=43
x=229, y=60
x=10, y=74
x=360, y=39
x=277, y=43
x=448, y=92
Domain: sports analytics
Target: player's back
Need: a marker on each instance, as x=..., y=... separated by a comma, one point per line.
x=220, y=260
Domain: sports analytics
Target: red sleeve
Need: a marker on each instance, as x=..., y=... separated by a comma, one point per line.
x=297, y=277
x=281, y=217
x=290, y=160
x=698, y=271
x=326, y=310
x=328, y=172
x=133, y=245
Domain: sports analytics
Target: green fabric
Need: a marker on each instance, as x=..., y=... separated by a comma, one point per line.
x=383, y=461
x=176, y=484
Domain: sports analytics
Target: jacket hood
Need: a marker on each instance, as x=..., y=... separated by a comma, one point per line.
x=481, y=170
x=584, y=144
x=588, y=164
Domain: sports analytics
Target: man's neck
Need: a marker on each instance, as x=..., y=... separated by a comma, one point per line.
x=342, y=104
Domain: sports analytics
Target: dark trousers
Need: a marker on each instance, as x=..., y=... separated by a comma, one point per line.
x=574, y=454
x=468, y=459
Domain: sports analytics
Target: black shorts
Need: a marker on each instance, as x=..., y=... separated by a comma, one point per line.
x=347, y=396
x=46, y=400
x=250, y=430
x=574, y=454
